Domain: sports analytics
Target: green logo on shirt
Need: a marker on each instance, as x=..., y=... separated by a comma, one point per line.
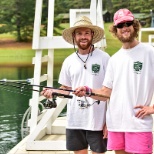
x=138, y=67
x=95, y=68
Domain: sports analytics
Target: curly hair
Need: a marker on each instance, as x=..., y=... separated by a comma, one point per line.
x=136, y=25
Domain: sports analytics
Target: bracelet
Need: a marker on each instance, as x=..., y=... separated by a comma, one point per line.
x=88, y=91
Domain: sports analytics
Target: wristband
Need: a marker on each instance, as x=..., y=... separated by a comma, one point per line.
x=88, y=91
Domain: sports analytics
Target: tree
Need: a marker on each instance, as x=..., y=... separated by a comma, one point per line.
x=17, y=16
x=140, y=6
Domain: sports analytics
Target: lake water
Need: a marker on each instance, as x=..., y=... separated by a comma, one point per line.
x=12, y=107
x=13, y=104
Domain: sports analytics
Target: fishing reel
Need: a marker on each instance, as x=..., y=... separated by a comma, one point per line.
x=85, y=104
x=82, y=104
x=52, y=103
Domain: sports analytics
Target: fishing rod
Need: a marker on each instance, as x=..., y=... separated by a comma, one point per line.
x=27, y=83
x=25, y=86
x=22, y=86
x=92, y=94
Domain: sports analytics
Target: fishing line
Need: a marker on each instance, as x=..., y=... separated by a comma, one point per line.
x=13, y=89
x=25, y=87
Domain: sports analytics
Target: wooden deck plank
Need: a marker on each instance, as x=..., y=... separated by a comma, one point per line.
x=20, y=148
x=53, y=137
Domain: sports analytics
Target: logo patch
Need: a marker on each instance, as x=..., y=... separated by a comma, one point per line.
x=138, y=67
x=95, y=68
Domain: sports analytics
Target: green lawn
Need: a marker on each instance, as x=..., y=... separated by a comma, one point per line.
x=25, y=55
x=6, y=36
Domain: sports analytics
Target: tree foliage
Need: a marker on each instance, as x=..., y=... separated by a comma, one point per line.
x=136, y=6
x=17, y=16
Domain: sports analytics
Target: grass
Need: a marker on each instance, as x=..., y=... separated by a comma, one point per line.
x=112, y=47
x=6, y=36
x=12, y=55
x=15, y=55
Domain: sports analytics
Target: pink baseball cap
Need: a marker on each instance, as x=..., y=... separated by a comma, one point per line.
x=123, y=15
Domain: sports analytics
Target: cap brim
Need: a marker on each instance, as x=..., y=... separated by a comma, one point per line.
x=123, y=19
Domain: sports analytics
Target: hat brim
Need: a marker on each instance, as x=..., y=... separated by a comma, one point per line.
x=98, y=33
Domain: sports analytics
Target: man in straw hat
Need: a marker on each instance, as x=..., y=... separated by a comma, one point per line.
x=86, y=66
x=129, y=81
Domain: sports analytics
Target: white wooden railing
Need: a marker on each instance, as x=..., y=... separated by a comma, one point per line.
x=42, y=125
x=150, y=29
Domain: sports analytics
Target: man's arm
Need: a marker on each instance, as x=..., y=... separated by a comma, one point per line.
x=98, y=94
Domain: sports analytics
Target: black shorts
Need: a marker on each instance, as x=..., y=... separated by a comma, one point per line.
x=80, y=139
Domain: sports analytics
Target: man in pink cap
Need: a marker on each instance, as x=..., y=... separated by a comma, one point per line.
x=129, y=82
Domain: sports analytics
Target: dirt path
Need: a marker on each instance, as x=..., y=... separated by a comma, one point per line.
x=14, y=44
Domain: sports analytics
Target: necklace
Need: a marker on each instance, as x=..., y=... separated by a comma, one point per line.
x=82, y=59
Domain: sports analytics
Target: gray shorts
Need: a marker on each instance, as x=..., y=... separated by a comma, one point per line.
x=80, y=139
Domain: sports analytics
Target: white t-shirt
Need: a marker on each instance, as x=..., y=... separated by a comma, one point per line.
x=130, y=75
x=73, y=74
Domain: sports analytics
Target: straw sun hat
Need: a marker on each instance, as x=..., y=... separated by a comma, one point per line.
x=83, y=21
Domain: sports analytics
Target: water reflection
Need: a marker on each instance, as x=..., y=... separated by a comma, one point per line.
x=13, y=104
x=16, y=72
x=10, y=131
x=12, y=107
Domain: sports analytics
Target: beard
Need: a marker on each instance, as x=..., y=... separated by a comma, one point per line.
x=85, y=46
x=126, y=39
